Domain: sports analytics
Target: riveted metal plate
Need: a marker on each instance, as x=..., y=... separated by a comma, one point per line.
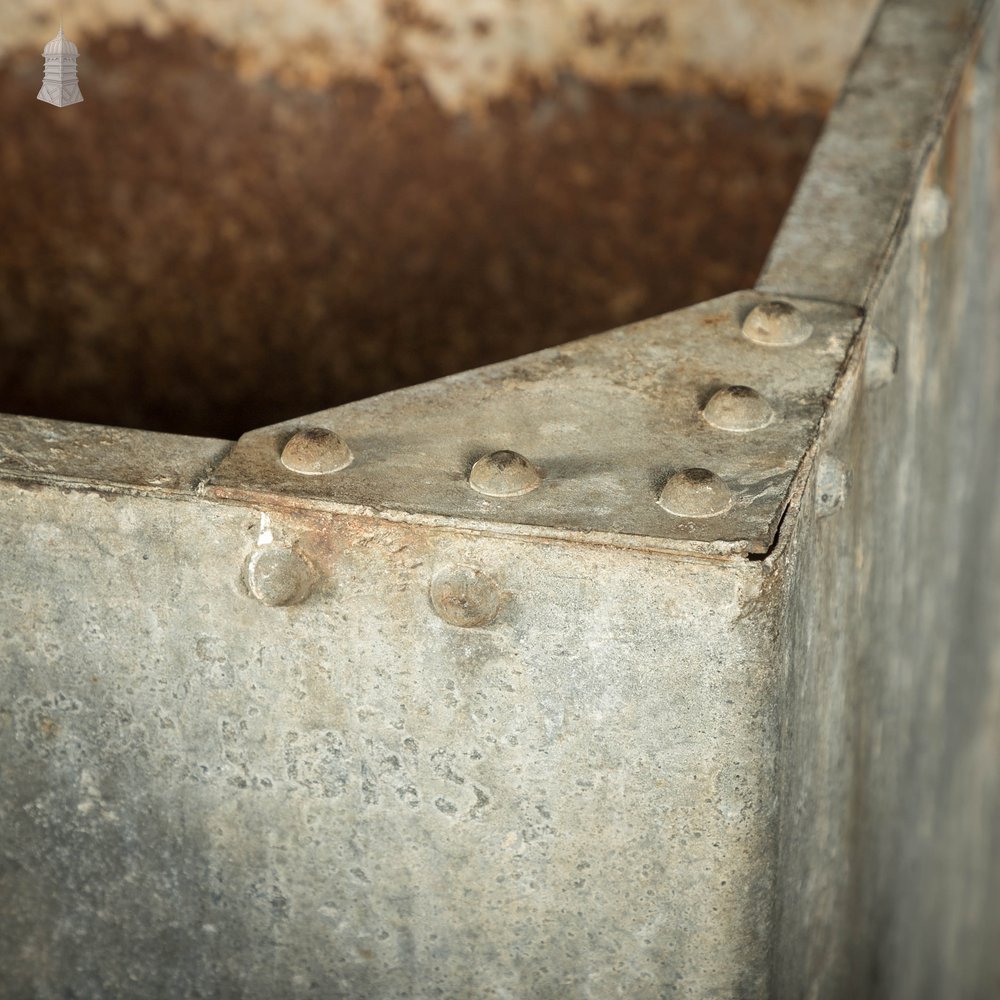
x=606, y=419
x=104, y=457
x=359, y=791
x=254, y=749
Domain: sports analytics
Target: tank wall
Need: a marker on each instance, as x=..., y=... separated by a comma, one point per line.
x=352, y=797
x=262, y=210
x=783, y=52
x=891, y=798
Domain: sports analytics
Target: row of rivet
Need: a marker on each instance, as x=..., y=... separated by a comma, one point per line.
x=687, y=493
x=460, y=595
x=467, y=597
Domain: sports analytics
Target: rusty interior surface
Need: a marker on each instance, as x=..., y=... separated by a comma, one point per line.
x=189, y=252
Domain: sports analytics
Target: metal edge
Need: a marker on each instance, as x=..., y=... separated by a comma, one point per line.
x=838, y=237
x=893, y=234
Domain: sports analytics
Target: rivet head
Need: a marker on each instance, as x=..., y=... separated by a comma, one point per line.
x=738, y=408
x=504, y=474
x=777, y=324
x=279, y=577
x=831, y=485
x=464, y=596
x=933, y=211
x=881, y=361
x=695, y=493
x=315, y=451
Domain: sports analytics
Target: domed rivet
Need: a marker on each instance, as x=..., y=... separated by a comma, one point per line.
x=932, y=213
x=738, y=408
x=831, y=485
x=464, y=596
x=315, y=451
x=778, y=324
x=504, y=474
x=881, y=361
x=279, y=577
x=695, y=493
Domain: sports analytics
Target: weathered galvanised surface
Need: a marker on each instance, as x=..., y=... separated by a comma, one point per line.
x=630, y=728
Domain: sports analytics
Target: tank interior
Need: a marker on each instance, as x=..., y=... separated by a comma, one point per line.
x=264, y=211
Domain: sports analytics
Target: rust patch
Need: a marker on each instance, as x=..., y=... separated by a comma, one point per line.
x=408, y=14
x=49, y=728
x=624, y=35
x=205, y=255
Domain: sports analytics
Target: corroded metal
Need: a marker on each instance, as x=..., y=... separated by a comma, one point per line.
x=703, y=713
x=468, y=54
x=216, y=228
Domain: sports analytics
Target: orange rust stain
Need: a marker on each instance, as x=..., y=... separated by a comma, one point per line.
x=208, y=255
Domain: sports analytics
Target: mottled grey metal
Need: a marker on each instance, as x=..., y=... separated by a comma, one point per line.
x=373, y=733
x=352, y=797
x=889, y=854
x=849, y=208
